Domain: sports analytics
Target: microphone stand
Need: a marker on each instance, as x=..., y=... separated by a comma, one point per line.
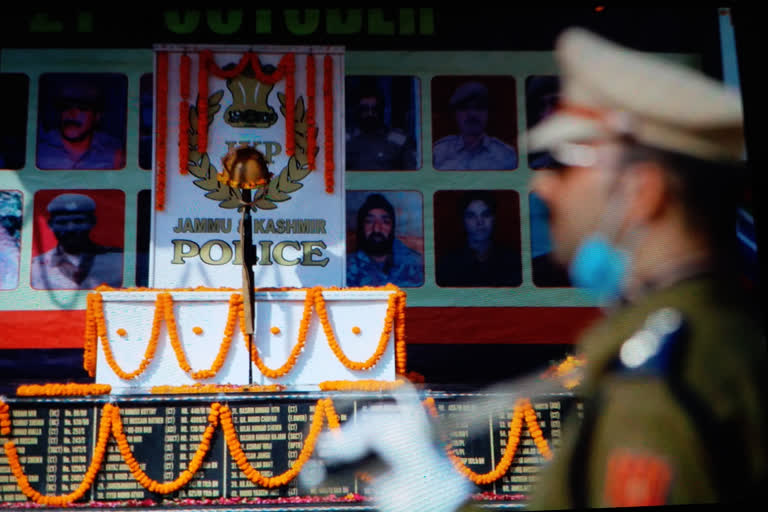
x=249, y=260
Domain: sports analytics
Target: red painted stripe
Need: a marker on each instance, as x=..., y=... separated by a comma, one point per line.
x=65, y=329
x=498, y=325
x=42, y=329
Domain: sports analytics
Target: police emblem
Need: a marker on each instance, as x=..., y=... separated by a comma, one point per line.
x=250, y=109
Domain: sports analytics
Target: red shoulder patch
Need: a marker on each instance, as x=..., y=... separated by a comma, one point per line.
x=636, y=479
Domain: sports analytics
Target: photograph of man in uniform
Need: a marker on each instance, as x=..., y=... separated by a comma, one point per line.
x=381, y=126
x=77, y=261
x=469, y=248
x=82, y=121
x=380, y=250
x=470, y=107
x=10, y=237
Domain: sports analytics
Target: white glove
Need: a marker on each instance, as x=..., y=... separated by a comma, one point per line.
x=420, y=475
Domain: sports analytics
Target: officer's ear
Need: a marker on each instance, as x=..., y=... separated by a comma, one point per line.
x=647, y=190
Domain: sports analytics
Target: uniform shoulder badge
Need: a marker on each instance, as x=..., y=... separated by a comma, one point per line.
x=649, y=349
x=636, y=479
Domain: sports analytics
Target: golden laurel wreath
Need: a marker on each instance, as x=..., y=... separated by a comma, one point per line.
x=280, y=188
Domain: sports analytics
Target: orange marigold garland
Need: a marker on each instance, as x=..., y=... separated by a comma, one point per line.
x=199, y=388
x=184, y=114
x=513, y=439
x=535, y=430
x=161, y=129
x=101, y=330
x=90, y=475
x=360, y=385
x=331, y=415
x=236, y=451
x=322, y=312
x=285, y=68
x=96, y=329
x=400, y=351
x=328, y=123
x=91, y=337
x=296, y=350
x=70, y=389
x=235, y=302
x=311, y=122
x=5, y=419
x=186, y=475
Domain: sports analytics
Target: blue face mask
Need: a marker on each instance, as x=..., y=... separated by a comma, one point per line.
x=600, y=268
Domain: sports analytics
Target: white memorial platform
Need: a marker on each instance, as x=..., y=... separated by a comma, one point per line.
x=205, y=327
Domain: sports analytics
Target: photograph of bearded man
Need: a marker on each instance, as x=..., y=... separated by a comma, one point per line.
x=378, y=255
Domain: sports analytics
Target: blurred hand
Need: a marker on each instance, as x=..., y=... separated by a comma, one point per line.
x=419, y=475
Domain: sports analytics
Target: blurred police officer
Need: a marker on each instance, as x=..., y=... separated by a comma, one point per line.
x=76, y=261
x=373, y=145
x=472, y=148
x=643, y=214
x=642, y=210
x=78, y=140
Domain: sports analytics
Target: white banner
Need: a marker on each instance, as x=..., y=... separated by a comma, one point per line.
x=298, y=224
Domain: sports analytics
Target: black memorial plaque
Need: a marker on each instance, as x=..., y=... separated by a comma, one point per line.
x=528, y=460
x=272, y=436
x=54, y=444
x=143, y=426
x=185, y=427
x=472, y=448
x=55, y=441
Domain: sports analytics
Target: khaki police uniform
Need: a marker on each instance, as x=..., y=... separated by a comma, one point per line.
x=687, y=429
x=674, y=394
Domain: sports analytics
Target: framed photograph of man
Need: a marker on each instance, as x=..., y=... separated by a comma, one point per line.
x=13, y=129
x=546, y=271
x=82, y=121
x=10, y=238
x=542, y=93
x=474, y=123
x=78, y=239
x=385, y=238
x=383, y=123
x=477, y=238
